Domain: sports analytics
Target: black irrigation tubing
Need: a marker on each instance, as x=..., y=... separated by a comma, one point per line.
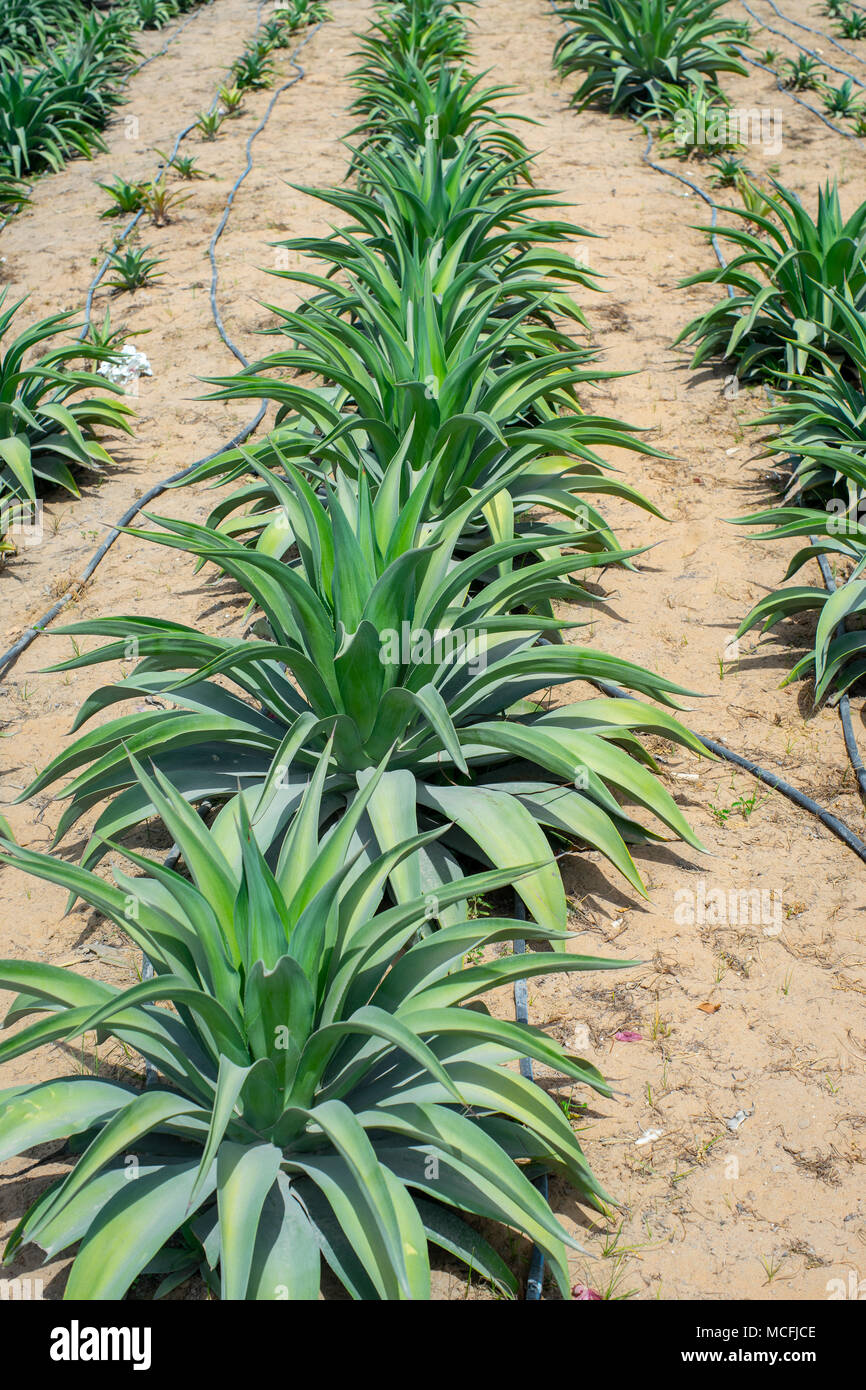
x=168, y=43
x=849, y=135
x=9, y=657
x=820, y=33
x=681, y=178
x=164, y=164
x=535, y=1278
x=802, y=47
x=228, y=207
x=771, y=779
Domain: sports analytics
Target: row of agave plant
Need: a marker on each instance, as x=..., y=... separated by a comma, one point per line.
x=795, y=316
x=62, y=68
x=379, y=749
x=53, y=401
x=794, y=312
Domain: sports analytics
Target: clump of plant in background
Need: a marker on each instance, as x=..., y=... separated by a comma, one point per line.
x=627, y=50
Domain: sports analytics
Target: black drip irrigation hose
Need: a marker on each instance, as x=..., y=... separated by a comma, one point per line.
x=808, y=28
x=168, y=43
x=228, y=207
x=802, y=47
x=849, y=135
x=771, y=779
x=163, y=165
x=10, y=656
x=535, y=1277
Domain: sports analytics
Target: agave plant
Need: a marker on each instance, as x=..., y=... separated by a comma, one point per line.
x=697, y=119
x=160, y=202
x=297, y=14
x=184, y=165
x=429, y=33
x=802, y=73
x=406, y=105
x=386, y=644
x=28, y=26
x=47, y=422
x=89, y=63
x=42, y=123
x=105, y=337
x=253, y=69
x=107, y=35
x=125, y=197
x=154, y=14
x=208, y=123
x=231, y=99
x=842, y=100
x=463, y=426
x=853, y=24
x=132, y=269
x=819, y=420
x=819, y=424
x=628, y=49
x=728, y=171
x=444, y=349
x=781, y=307
x=323, y=1095
x=836, y=658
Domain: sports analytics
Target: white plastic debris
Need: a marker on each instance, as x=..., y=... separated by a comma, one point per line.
x=736, y=1120
x=132, y=365
x=648, y=1136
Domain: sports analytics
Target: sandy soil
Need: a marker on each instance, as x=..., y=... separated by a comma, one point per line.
x=765, y=1016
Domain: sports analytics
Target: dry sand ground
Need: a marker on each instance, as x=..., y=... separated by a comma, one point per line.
x=773, y=1208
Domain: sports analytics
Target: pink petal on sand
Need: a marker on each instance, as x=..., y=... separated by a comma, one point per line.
x=627, y=1036
x=584, y=1294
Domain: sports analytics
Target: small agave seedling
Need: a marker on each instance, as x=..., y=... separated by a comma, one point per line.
x=184, y=165
x=842, y=100
x=105, y=338
x=728, y=171
x=208, y=123
x=133, y=269
x=125, y=197
x=852, y=25
x=802, y=73
x=161, y=202
x=253, y=69
x=231, y=99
